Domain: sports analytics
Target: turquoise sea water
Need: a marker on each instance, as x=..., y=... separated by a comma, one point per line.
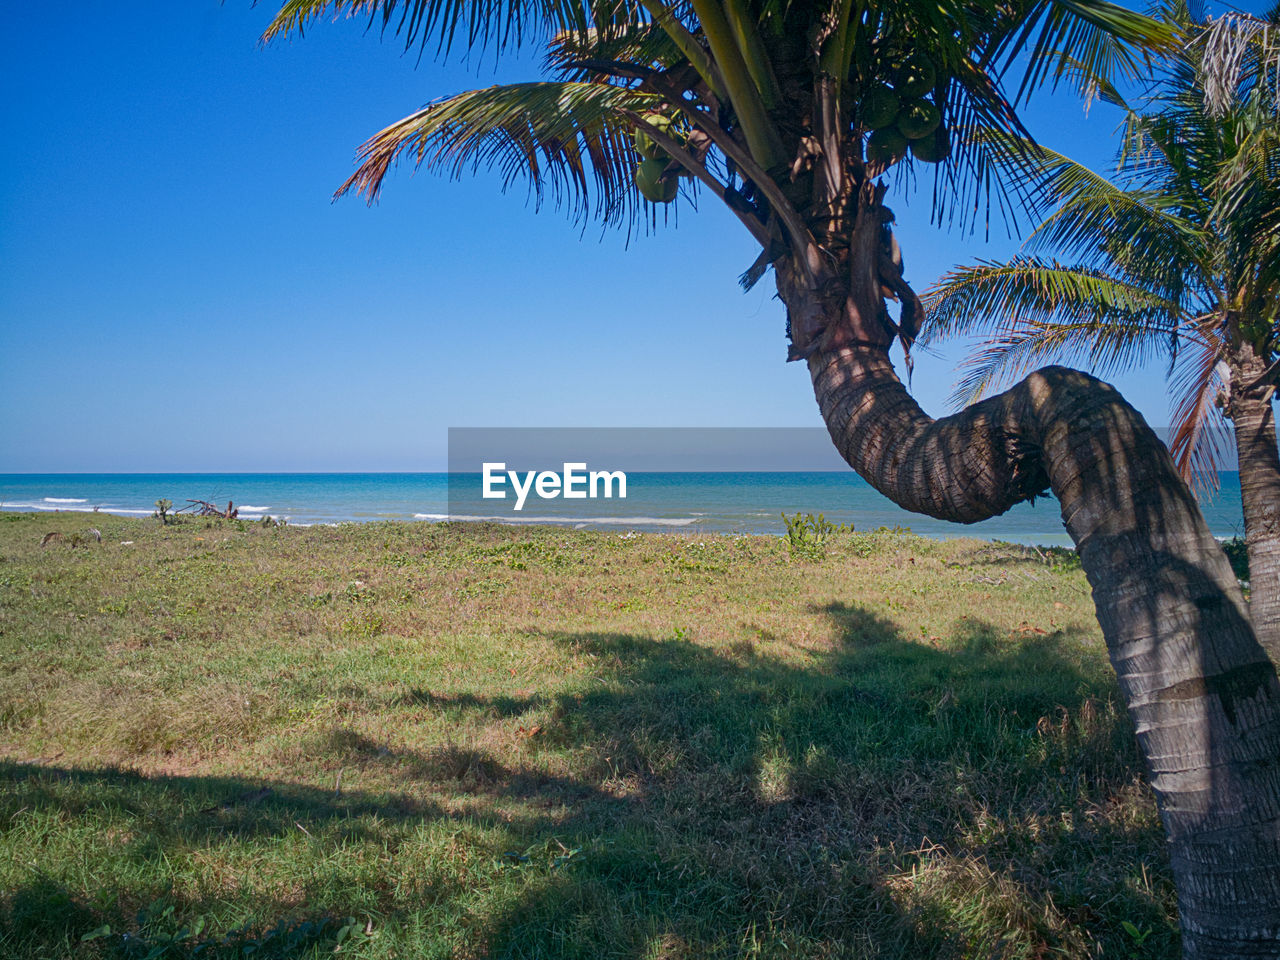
x=677, y=502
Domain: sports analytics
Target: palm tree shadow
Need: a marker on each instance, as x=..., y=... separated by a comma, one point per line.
x=716, y=799
x=763, y=781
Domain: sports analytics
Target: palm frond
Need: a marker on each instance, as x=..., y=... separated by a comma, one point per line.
x=1238, y=54
x=1093, y=86
x=1082, y=41
x=568, y=140
x=1170, y=152
x=1199, y=436
x=644, y=45
x=474, y=24
x=967, y=185
x=675, y=20
x=990, y=296
x=1032, y=311
x=1142, y=232
x=1085, y=215
x=979, y=45
x=1020, y=347
x=1081, y=204
x=998, y=361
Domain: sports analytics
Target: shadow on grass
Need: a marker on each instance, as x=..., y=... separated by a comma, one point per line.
x=889, y=798
x=499, y=706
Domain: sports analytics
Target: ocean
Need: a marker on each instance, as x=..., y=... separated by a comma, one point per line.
x=721, y=502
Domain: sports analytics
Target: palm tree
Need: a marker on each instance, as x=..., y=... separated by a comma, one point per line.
x=793, y=114
x=1177, y=257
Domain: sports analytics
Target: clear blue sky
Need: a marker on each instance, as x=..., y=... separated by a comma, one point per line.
x=178, y=293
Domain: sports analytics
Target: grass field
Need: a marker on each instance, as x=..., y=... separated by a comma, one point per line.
x=406, y=740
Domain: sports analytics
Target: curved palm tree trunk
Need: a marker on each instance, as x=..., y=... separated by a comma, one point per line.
x=1202, y=693
x=1255, y=428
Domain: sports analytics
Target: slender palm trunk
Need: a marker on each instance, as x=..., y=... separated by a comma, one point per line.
x=1202, y=693
x=1255, y=429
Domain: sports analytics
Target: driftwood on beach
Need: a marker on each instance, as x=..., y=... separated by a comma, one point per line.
x=72, y=540
x=203, y=508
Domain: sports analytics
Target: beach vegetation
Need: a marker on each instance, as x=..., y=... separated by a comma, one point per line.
x=807, y=534
x=904, y=748
x=1238, y=553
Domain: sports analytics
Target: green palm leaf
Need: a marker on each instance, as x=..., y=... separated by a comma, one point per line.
x=1082, y=41
x=1034, y=312
x=737, y=47
x=475, y=24
x=570, y=141
x=1027, y=290
x=644, y=45
x=1085, y=214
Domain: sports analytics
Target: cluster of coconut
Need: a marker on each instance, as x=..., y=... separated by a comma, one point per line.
x=901, y=119
x=654, y=160
x=899, y=115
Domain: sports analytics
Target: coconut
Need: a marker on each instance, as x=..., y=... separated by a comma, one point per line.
x=879, y=107
x=915, y=77
x=934, y=148
x=644, y=144
x=886, y=146
x=918, y=118
x=652, y=187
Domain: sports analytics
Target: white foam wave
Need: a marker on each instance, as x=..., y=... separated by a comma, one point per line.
x=71, y=508
x=41, y=505
x=64, y=500
x=619, y=521
x=245, y=508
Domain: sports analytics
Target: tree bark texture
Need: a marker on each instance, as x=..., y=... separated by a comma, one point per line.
x=1202, y=693
x=1253, y=418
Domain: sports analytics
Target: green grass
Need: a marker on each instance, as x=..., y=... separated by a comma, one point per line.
x=411, y=740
